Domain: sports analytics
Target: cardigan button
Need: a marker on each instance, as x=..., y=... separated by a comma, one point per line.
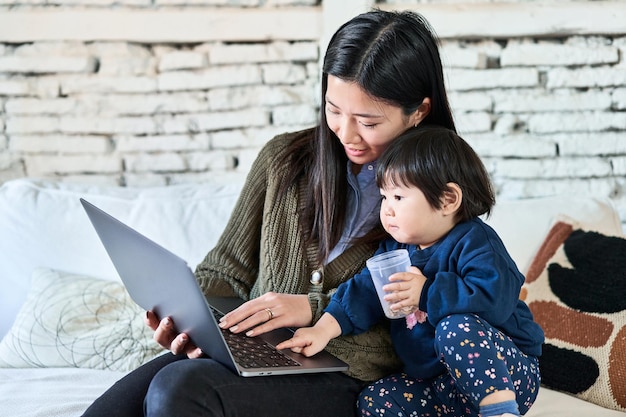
x=316, y=277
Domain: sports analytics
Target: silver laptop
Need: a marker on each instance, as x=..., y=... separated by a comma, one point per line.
x=160, y=281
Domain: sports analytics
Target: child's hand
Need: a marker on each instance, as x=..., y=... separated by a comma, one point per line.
x=311, y=340
x=405, y=289
x=306, y=341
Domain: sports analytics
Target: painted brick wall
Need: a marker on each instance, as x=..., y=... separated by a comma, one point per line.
x=544, y=105
x=150, y=114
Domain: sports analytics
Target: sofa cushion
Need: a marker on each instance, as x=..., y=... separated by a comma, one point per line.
x=42, y=224
x=522, y=224
x=551, y=403
x=575, y=288
x=77, y=321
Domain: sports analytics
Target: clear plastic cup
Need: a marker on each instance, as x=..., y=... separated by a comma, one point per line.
x=381, y=267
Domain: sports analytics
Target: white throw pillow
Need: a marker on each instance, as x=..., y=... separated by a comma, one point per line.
x=43, y=224
x=77, y=321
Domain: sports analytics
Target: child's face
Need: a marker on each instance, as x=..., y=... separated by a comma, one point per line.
x=408, y=217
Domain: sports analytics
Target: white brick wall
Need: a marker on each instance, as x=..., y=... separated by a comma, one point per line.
x=557, y=54
x=541, y=98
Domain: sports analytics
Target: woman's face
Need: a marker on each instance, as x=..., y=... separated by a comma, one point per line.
x=364, y=125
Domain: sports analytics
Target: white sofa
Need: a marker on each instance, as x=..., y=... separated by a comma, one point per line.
x=77, y=332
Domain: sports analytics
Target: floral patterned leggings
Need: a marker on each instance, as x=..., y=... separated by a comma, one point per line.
x=479, y=359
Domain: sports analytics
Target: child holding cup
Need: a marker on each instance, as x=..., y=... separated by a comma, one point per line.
x=469, y=346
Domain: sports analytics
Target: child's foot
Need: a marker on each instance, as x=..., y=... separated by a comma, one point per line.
x=496, y=410
x=505, y=415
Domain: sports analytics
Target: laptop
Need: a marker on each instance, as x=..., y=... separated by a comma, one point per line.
x=160, y=281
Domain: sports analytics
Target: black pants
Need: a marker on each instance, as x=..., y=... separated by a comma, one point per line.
x=176, y=386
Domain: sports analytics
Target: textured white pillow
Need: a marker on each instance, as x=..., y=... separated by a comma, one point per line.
x=76, y=321
x=43, y=224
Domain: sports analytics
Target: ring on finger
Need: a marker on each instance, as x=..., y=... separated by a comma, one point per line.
x=270, y=313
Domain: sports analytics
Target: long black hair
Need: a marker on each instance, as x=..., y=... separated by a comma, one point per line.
x=394, y=57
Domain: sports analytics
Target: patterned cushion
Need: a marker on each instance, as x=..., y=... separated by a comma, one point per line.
x=576, y=289
x=76, y=321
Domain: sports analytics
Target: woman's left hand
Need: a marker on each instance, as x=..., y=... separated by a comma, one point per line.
x=268, y=312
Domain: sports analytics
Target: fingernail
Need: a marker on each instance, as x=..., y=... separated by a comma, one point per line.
x=233, y=329
x=167, y=321
x=250, y=333
x=222, y=324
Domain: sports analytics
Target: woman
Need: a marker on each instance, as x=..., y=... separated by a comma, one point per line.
x=306, y=221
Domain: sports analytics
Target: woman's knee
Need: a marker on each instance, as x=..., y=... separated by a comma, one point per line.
x=165, y=384
x=174, y=389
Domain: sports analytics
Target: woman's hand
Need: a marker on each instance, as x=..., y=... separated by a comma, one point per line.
x=405, y=290
x=268, y=312
x=165, y=334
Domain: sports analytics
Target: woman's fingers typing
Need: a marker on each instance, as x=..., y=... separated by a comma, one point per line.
x=267, y=312
x=249, y=318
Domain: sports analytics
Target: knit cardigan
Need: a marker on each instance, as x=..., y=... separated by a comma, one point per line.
x=262, y=249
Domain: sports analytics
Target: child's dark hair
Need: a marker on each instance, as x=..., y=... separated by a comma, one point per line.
x=431, y=157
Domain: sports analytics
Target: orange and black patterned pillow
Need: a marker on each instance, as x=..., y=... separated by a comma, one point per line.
x=576, y=289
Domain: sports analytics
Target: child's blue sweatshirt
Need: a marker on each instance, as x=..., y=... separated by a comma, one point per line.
x=467, y=271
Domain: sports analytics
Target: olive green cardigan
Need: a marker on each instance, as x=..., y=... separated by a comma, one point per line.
x=262, y=249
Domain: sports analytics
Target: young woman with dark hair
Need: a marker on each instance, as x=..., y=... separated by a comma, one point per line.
x=306, y=221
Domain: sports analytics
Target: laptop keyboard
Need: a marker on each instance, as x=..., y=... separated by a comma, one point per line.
x=254, y=352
